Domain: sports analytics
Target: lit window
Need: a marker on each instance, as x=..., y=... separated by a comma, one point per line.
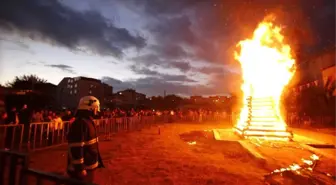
x=69, y=81
x=90, y=92
x=75, y=85
x=75, y=91
x=70, y=92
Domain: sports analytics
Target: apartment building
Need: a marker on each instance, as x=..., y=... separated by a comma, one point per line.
x=311, y=69
x=70, y=90
x=108, y=95
x=128, y=97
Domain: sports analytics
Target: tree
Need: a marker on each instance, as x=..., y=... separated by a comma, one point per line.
x=172, y=101
x=329, y=96
x=42, y=94
x=25, y=82
x=329, y=88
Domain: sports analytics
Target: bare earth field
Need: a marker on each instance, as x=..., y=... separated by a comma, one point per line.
x=147, y=157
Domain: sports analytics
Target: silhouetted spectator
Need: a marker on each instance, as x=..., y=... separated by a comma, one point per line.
x=37, y=117
x=12, y=119
x=3, y=118
x=24, y=119
x=68, y=116
x=55, y=129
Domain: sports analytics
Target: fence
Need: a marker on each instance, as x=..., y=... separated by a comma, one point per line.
x=14, y=170
x=39, y=136
x=293, y=120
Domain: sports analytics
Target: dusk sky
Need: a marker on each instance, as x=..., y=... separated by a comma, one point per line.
x=181, y=46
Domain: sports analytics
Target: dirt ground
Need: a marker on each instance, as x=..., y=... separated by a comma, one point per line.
x=147, y=157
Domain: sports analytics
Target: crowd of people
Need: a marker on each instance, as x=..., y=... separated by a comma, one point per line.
x=53, y=123
x=26, y=116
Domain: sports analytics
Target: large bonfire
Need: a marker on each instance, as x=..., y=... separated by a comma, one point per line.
x=267, y=65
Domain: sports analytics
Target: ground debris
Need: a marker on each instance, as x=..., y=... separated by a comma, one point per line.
x=305, y=173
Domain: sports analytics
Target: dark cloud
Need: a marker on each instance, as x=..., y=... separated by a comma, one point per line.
x=169, y=50
x=211, y=70
x=177, y=78
x=211, y=29
x=183, y=66
x=164, y=77
x=20, y=46
x=118, y=85
x=154, y=60
x=53, y=22
x=208, y=31
x=322, y=21
x=148, y=85
x=144, y=71
x=111, y=80
x=156, y=86
x=174, y=31
x=62, y=67
x=161, y=8
x=17, y=42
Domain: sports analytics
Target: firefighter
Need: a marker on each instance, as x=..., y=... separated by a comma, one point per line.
x=83, y=152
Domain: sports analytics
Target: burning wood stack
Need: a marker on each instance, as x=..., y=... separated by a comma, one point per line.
x=262, y=120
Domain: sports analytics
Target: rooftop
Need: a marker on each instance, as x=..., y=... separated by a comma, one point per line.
x=87, y=79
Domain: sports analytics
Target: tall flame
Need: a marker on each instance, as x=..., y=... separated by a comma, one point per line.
x=266, y=63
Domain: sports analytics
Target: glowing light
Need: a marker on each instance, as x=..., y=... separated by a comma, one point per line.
x=192, y=143
x=266, y=63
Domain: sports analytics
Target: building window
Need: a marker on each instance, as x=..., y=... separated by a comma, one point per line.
x=69, y=80
x=70, y=92
x=76, y=85
x=90, y=92
x=75, y=91
x=91, y=85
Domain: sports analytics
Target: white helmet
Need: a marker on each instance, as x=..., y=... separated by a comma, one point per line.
x=89, y=103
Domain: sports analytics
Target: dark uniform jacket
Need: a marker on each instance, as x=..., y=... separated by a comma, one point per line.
x=83, y=151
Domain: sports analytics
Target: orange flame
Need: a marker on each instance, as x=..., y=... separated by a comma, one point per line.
x=267, y=65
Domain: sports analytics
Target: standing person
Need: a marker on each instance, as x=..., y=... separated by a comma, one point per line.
x=55, y=129
x=12, y=119
x=67, y=116
x=3, y=118
x=84, y=157
x=24, y=119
